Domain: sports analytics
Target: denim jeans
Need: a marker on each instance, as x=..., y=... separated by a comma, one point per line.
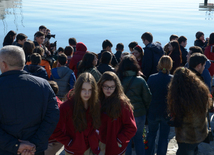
x=138, y=137
x=154, y=124
x=187, y=149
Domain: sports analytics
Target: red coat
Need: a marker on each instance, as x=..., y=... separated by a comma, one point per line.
x=52, y=139
x=75, y=142
x=120, y=130
x=210, y=56
x=78, y=55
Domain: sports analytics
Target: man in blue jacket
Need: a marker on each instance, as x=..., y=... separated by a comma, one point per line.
x=28, y=107
x=152, y=54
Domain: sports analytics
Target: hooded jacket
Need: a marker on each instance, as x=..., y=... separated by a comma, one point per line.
x=152, y=54
x=81, y=49
x=36, y=70
x=210, y=56
x=65, y=79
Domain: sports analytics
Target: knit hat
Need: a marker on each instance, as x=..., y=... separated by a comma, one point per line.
x=199, y=34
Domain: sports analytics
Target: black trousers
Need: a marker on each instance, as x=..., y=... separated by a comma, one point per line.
x=187, y=149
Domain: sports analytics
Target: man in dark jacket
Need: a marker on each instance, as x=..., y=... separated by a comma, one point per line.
x=152, y=54
x=107, y=45
x=28, y=107
x=182, y=40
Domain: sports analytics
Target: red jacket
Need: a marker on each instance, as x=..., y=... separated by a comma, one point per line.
x=78, y=55
x=52, y=139
x=210, y=56
x=120, y=130
x=75, y=142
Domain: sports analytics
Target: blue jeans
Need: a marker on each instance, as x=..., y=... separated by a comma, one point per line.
x=138, y=137
x=187, y=149
x=153, y=125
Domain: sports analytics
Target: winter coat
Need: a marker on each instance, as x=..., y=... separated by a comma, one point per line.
x=210, y=56
x=119, y=130
x=46, y=65
x=200, y=43
x=138, y=93
x=118, y=56
x=193, y=128
x=65, y=79
x=114, y=61
x=28, y=111
x=175, y=55
x=152, y=54
x=96, y=74
x=158, y=84
x=36, y=70
x=184, y=55
x=78, y=55
x=105, y=67
x=75, y=142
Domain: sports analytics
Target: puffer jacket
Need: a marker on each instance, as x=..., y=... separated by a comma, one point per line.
x=65, y=79
x=138, y=93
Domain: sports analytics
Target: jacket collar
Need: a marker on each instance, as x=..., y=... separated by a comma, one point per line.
x=12, y=72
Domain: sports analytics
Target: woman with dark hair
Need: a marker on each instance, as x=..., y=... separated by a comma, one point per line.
x=138, y=53
x=188, y=100
x=79, y=118
x=158, y=84
x=9, y=38
x=175, y=53
x=209, y=52
x=136, y=89
x=28, y=49
x=117, y=120
x=88, y=64
x=200, y=41
x=105, y=63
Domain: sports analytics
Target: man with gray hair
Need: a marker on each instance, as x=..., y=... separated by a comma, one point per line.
x=28, y=107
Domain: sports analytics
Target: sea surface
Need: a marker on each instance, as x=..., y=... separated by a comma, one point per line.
x=120, y=21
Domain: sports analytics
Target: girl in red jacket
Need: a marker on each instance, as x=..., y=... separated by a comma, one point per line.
x=79, y=118
x=117, y=120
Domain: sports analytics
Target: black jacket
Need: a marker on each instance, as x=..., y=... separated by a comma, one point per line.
x=28, y=111
x=184, y=55
x=152, y=54
x=105, y=67
x=36, y=70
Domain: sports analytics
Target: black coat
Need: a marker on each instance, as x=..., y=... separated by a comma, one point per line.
x=105, y=67
x=28, y=111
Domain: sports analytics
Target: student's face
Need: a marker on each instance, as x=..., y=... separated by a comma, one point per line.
x=201, y=38
x=86, y=92
x=23, y=41
x=43, y=30
x=108, y=88
x=201, y=68
x=184, y=43
x=136, y=54
x=95, y=61
x=40, y=39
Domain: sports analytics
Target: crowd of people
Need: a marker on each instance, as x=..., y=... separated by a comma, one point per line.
x=100, y=103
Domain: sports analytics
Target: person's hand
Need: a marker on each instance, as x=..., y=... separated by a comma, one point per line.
x=119, y=145
x=27, y=152
x=27, y=146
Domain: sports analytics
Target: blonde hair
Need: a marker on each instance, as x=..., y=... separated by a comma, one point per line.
x=165, y=64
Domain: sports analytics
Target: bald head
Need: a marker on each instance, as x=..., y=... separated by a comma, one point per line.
x=12, y=57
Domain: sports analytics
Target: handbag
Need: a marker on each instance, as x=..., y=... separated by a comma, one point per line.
x=209, y=137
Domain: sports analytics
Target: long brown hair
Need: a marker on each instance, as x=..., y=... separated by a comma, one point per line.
x=79, y=112
x=187, y=94
x=112, y=104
